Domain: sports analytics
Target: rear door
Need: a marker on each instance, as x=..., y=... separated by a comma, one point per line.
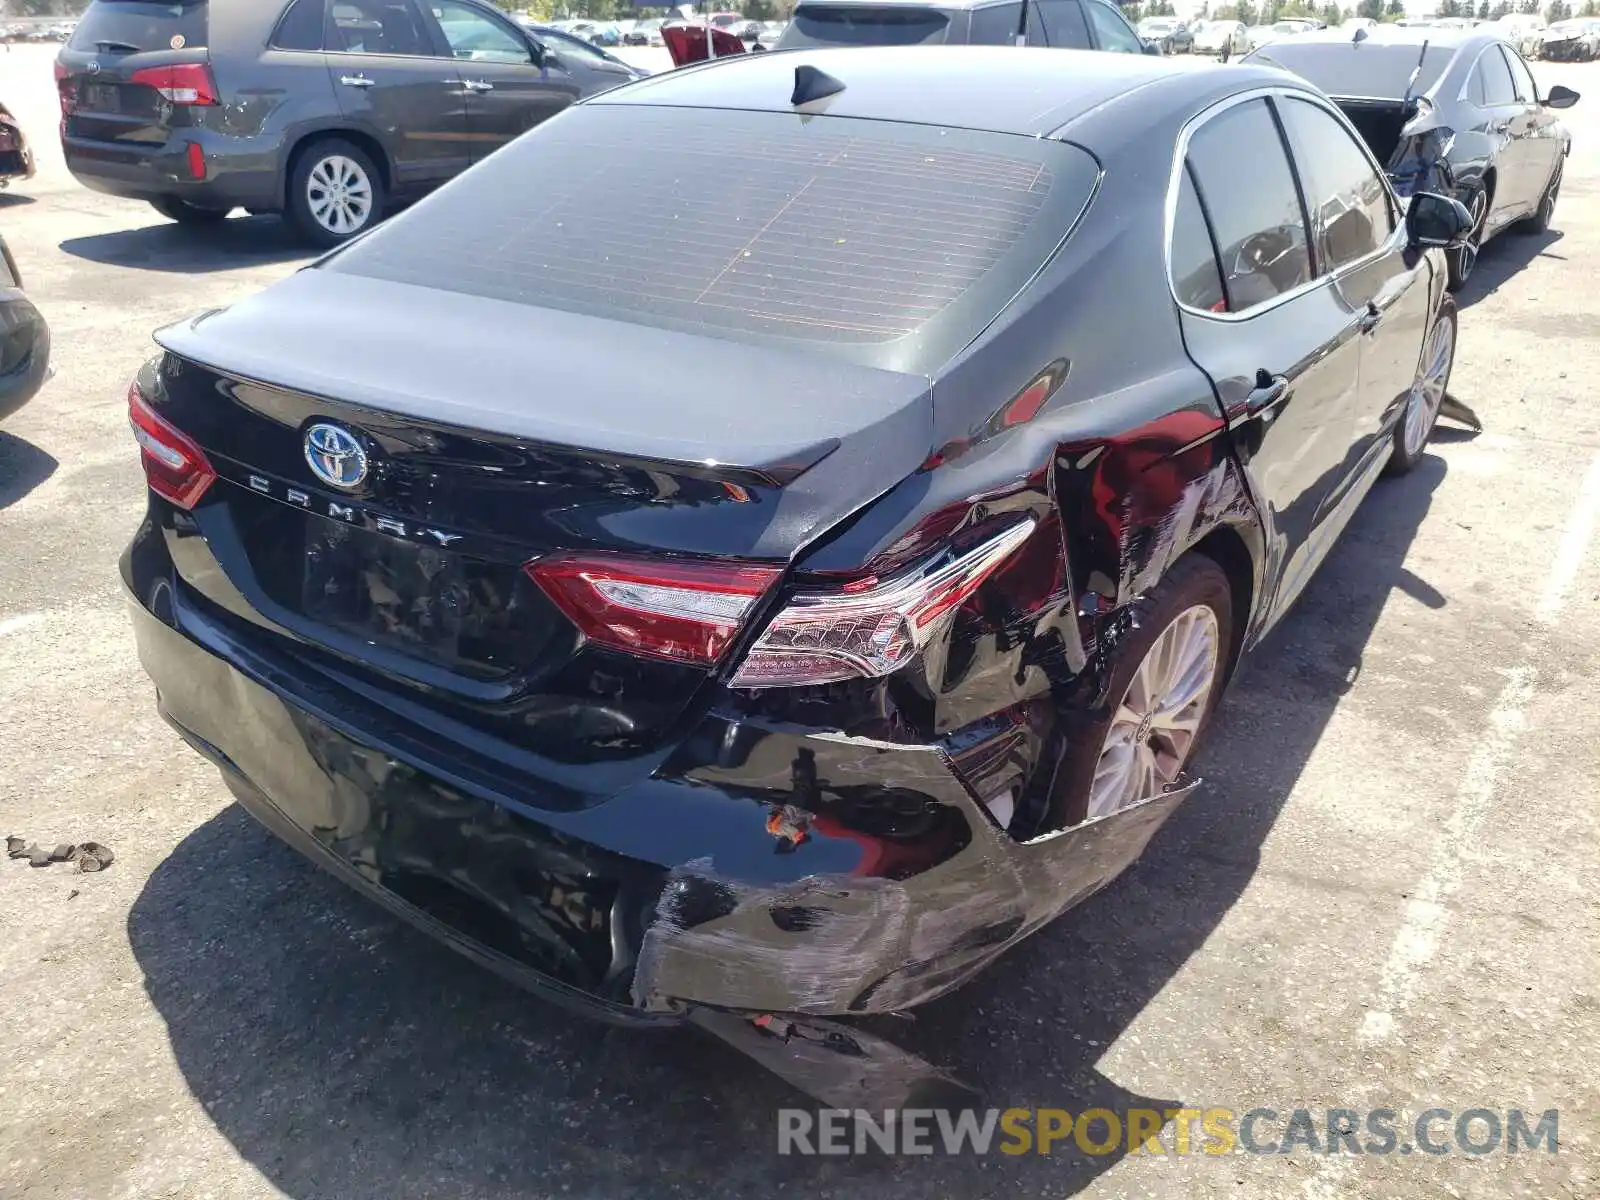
x=1280, y=343
x=1360, y=241
x=1544, y=149
x=115, y=42
x=392, y=78
x=507, y=92
x=1507, y=126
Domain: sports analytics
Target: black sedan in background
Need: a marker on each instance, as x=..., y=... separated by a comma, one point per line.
x=735, y=678
x=1455, y=112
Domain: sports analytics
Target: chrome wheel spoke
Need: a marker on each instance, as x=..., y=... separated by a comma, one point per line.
x=1153, y=728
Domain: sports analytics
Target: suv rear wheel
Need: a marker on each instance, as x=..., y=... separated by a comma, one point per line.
x=335, y=192
x=185, y=213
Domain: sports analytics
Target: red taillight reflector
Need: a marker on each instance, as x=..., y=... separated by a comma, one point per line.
x=197, y=161
x=182, y=83
x=176, y=468
x=66, y=91
x=683, y=611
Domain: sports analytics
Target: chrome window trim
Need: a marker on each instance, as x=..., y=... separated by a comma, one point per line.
x=1396, y=239
x=1467, y=82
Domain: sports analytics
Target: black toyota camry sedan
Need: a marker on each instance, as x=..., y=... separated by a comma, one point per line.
x=857, y=611
x=1450, y=111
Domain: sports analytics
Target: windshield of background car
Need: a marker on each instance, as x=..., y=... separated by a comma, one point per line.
x=863, y=25
x=119, y=24
x=883, y=244
x=1366, y=69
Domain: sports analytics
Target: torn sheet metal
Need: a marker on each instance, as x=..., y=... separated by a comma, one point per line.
x=840, y=1065
x=846, y=944
x=1452, y=409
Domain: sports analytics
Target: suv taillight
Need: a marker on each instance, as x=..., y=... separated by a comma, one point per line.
x=871, y=627
x=66, y=92
x=176, y=468
x=181, y=83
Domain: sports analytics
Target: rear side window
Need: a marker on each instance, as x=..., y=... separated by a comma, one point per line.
x=1064, y=26
x=1496, y=77
x=884, y=244
x=1196, y=277
x=1243, y=179
x=375, y=27
x=997, y=25
x=1110, y=30
x=1347, y=202
x=134, y=26
x=301, y=27
x=859, y=25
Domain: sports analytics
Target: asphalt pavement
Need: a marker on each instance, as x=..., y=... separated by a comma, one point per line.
x=1384, y=897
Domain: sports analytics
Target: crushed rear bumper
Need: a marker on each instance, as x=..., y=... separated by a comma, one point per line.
x=766, y=883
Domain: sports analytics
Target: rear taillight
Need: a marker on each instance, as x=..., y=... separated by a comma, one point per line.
x=66, y=92
x=873, y=628
x=683, y=611
x=176, y=468
x=181, y=83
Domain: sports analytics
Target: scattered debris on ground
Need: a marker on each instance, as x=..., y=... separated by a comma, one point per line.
x=90, y=856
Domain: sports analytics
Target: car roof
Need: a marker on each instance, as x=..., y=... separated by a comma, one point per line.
x=1028, y=90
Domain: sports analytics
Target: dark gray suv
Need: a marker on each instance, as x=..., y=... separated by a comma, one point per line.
x=324, y=110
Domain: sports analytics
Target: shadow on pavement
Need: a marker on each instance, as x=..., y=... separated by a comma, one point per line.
x=23, y=467
x=344, y=1055
x=1503, y=257
x=191, y=249
x=14, y=200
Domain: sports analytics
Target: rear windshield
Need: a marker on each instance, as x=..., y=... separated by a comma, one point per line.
x=133, y=26
x=1366, y=69
x=884, y=244
x=860, y=25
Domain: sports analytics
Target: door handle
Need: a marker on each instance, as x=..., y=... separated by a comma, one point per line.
x=357, y=81
x=1369, y=319
x=477, y=85
x=1262, y=400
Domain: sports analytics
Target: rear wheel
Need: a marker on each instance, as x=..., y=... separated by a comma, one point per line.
x=185, y=213
x=1166, y=681
x=1462, y=260
x=335, y=192
x=1421, y=413
x=1545, y=213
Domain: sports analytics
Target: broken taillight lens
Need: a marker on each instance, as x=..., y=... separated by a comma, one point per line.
x=683, y=611
x=864, y=631
x=180, y=83
x=176, y=468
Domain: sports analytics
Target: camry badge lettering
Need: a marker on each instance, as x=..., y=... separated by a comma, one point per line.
x=335, y=456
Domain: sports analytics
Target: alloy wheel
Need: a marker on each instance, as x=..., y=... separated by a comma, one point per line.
x=1159, y=716
x=339, y=195
x=1427, y=393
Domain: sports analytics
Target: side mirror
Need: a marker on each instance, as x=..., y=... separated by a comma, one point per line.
x=1434, y=220
x=1560, y=97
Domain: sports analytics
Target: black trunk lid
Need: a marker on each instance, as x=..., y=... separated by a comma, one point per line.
x=495, y=434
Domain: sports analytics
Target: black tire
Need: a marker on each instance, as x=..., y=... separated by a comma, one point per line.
x=185, y=213
x=1462, y=262
x=322, y=158
x=1402, y=459
x=1193, y=580
x=1545, y=213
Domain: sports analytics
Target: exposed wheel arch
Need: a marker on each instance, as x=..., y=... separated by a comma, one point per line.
x=371, y=145
x=1225, y=547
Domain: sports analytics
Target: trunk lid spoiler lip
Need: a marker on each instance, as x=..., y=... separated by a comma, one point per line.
x=246, y=340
